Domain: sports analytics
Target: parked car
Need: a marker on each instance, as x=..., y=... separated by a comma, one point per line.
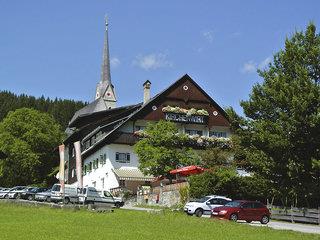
x=70, y=194
x=30, y=193
x=43, y=196
x=205, y=205
x=16, y=193
x=243, y=210
x=4, y=189
x=89, y=195
x=118, y=202
x=5, y=193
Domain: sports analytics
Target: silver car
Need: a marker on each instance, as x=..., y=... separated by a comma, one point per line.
x=5, y=193
x=43, y=196
x=16, y=193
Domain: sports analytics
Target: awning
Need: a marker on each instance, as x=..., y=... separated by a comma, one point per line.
x=189, y=170
x=132, y=174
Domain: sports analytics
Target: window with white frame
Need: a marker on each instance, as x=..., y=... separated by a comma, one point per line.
x=217, y=134
x=122, y=157
x=194, y=132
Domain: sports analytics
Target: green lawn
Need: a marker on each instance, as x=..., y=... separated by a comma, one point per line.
x=21, y=222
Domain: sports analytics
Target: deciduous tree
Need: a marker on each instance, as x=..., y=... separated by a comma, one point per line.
x=28, y=139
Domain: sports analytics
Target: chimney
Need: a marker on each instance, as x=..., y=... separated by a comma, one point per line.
x=146, y=91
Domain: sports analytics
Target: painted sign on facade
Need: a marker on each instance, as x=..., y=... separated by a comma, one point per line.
x=176, y=117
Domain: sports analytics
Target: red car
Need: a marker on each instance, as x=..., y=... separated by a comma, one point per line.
x=243, y=210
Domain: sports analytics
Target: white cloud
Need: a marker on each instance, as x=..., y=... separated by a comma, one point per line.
x=114, y=62
x=208, y=35
x=265, y=63
x=249, y=67
x=152, y=61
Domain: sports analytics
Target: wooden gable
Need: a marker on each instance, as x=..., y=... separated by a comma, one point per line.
x=184, y=93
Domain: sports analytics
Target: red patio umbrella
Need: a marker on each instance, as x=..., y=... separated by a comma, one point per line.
x=189, y=170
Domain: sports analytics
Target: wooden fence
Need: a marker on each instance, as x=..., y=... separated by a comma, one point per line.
x=293, y=214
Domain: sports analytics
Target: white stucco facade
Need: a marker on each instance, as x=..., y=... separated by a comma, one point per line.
x=103, y=176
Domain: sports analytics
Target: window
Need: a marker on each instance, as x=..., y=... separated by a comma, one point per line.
x=214, y=201
x=194, y=132
x=103, y=159
x=247, y=205
x=95, y=163
x=89, y=167
x=84, y=169
x=72, y=173
x=257, y=205
x=123, y=157
x=107, y=194
x=217, y=134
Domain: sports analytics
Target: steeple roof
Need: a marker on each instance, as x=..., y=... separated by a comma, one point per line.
x=105, y=71
x=105, y=89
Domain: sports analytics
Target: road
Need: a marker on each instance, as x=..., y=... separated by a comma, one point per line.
x=306, y=228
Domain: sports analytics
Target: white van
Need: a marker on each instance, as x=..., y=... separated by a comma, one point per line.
x=90, y=195
x=70, y=194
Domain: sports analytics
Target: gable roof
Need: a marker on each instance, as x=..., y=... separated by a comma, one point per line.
x=147, y=105
x=97, y=105
x=173, y=86
x=91, y=122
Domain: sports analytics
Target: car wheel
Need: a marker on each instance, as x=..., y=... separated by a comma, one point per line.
x=234, y=217
x=117, y=205
x=248, y=221
x=199, y=212
x=66, y=201
x=265, y=219
x=18, y=196
x=7, y=196
x=30, y=198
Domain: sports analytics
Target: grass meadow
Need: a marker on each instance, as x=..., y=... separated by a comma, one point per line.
x=29, y=222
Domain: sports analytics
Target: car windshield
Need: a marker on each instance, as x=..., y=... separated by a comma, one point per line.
x=201, y=200
x=56, y=188
x=107, y=194
x=233, y=204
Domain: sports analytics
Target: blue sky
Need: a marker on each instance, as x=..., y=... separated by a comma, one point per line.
x=54, y=48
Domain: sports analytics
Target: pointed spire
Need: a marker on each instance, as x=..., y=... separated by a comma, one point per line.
x=105, y=89
x=105, y=71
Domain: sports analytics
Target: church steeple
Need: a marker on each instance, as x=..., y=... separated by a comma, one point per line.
x=105, y=89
